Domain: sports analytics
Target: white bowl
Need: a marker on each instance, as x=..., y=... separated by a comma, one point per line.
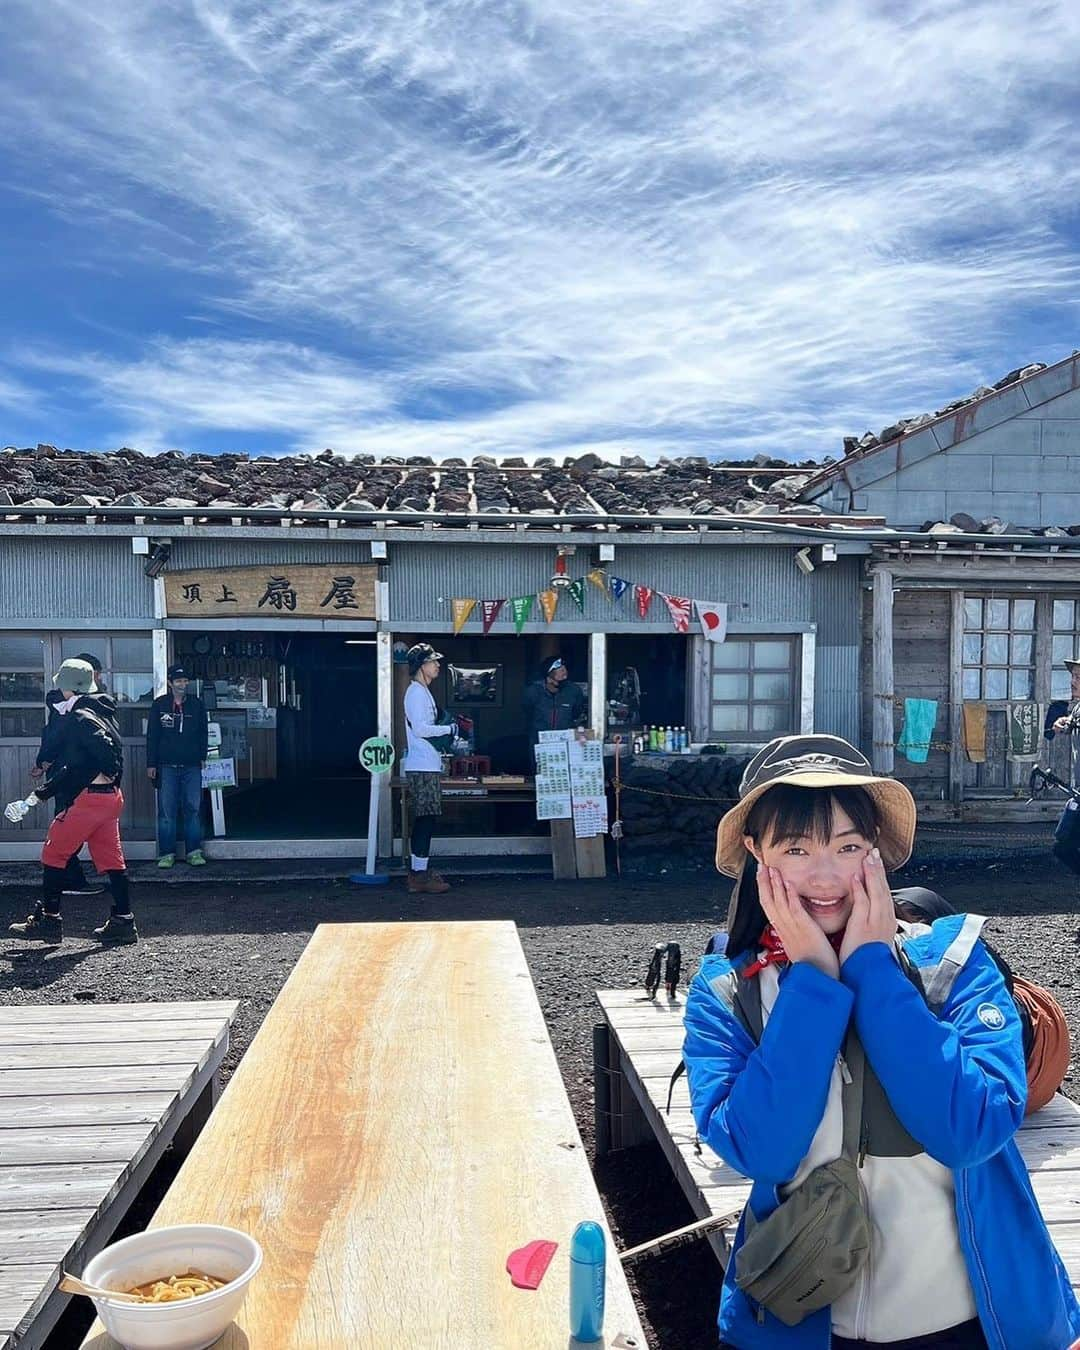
x=190, y=1324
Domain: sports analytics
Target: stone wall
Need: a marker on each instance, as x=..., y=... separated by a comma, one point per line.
x=674, y=802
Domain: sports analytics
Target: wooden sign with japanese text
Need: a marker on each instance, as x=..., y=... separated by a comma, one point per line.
x=283, y=591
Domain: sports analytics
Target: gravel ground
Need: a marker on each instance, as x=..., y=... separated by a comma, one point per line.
x=219, y=939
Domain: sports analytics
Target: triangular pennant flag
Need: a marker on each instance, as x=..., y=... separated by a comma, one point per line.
x=599, y=579
x=643, y=595
x=489, y=612
x=576, y=590
x=520, y=609
x=619, y=587
x=462, y=610
x=713, y=618
x=549, y=603
x=679, y=609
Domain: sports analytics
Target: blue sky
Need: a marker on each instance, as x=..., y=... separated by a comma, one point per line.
x=469, y=226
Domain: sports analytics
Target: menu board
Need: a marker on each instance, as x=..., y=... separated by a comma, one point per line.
x=587, y=797
x=552, y=777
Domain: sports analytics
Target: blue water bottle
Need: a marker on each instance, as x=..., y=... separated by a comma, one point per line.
x=587, y=1282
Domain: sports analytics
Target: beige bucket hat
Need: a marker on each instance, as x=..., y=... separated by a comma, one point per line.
x=817, y=762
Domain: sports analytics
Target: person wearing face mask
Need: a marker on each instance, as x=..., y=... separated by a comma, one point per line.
x=552, y=702
x=868, y=1076
x=177, y=734
x=85, y=775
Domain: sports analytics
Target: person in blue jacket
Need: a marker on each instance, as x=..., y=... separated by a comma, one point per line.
x=959, y=1256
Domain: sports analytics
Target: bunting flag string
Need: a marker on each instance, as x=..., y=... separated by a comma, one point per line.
x=619, y=587
x=462, y=610
x=549, y=603
x=643, y=595
x=599, y=579
x=520, y=609
x=489, y=610
x=576, y=591
x=679, y=609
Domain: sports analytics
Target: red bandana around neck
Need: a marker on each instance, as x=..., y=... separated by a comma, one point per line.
x=774, y=954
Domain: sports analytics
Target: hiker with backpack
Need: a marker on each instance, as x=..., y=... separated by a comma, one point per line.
x=85, y=781
x=868, y=1075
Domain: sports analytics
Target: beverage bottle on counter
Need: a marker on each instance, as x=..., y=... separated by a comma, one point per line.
x=652, y=738
x=669, y=743
x=587, y=1276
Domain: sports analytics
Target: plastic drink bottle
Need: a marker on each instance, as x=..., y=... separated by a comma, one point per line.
x=587, y=1259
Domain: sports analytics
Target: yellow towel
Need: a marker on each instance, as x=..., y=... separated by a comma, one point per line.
x=974, y=716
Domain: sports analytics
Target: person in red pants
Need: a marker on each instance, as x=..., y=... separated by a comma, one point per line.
x=86, y=784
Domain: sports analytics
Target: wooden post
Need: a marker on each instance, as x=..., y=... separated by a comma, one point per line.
x=883, y=693
x=956, y=697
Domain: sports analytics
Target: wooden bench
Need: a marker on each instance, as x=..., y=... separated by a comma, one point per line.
x=396, y=1128
x=644, y=1044
x=90, y=1098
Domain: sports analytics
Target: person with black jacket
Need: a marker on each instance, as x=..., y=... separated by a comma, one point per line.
x=176, y=744
x=85, y=782
x=552, y=702
x=52, y=733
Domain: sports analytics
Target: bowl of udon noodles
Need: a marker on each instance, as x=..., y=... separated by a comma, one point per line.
x=191, y=1279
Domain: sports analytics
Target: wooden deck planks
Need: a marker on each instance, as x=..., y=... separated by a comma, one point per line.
x=648, y=1035
x=90, y=1097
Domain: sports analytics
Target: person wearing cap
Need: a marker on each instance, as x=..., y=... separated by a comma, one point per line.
x=1066, y=848
x=425, y=727
x=552, y=702
x=832, y=1040
x=177, y=731
x=75, y=883
x=84, y=778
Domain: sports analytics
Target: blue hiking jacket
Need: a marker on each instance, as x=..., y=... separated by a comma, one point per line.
x=956, y=1081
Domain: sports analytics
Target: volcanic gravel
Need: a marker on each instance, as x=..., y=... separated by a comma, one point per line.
x=224, y=940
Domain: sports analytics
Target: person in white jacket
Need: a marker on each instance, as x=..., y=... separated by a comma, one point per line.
x=423, y=764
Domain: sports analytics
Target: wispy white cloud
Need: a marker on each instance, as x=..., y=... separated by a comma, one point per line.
x=529, y=228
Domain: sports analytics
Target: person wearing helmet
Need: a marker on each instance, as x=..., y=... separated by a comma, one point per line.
x=868, y=1076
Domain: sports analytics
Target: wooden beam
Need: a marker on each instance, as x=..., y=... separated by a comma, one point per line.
x=882, y=693
x=956, y=696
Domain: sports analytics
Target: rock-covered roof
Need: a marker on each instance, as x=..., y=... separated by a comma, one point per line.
x=44, y=477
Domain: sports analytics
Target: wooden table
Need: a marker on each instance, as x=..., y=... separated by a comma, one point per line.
x=645, y=1045
x=90, y=1097
x=396, y=1128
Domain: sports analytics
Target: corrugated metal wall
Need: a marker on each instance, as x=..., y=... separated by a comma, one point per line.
x=56, y=582
x=836, y=683
x=187, y=553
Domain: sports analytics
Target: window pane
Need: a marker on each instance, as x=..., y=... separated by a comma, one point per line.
x=132, y=653
x=730, y=686
x=972, y=649
x=1060, y=684
x=1063, y=649
x=729, y=717
x=22, y=722
x=971, y=684
x=973, y=610
x=996, y=684
x=127, y=688
x=1063, y=616
x=22, y=649
x=18, y=687
x=1020, y=683
x=1023, y=616
x=772, y=654
x=730, y=655
x=997, y=613
x=1022, y=650
x=74, y=644
x=132, y=722
x=997, y=649
x=771, y=717
x=772, y=686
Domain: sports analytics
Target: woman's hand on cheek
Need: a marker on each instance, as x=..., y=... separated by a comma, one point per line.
x=802, y=938
x=873, y=916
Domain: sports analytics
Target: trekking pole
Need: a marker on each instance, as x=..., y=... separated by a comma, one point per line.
x=680, y=1237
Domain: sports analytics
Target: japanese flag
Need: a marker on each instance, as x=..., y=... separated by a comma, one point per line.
x=713, y=619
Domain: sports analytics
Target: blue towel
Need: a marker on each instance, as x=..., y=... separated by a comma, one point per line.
x=920, y=718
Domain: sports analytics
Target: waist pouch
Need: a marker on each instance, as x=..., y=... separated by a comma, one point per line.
x=810, y=1249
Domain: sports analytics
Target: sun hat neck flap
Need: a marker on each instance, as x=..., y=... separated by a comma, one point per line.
x=817, y=762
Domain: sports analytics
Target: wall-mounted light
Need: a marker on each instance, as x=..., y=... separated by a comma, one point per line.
x=158, y=559
x=559, y=579
x=803, y=561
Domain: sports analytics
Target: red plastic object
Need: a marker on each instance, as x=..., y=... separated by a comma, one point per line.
x=528, y=1265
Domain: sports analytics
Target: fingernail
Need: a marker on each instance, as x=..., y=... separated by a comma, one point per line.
x=874, y=858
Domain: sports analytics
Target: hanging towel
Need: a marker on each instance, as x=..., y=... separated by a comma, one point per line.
x=974, y=718
x=920, y=717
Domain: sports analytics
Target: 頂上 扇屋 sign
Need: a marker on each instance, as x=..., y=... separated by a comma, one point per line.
x=273, y=592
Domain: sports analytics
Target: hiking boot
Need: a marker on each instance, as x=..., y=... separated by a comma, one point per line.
x=166, y=860
x=195, y=858
x=40, y=927
x=118, y=928
x=426, y=883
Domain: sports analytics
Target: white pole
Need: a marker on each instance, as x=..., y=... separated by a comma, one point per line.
x=373, y=824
